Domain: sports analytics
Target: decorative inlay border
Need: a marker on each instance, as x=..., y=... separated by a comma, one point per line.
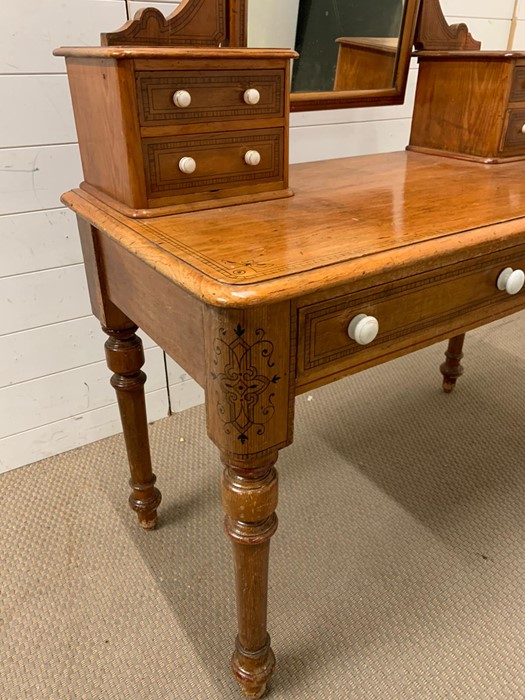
x=516, y=91
x=243, y=22
x=191, y=146
x=245, y=387
x=310, y=360
x=272, y=97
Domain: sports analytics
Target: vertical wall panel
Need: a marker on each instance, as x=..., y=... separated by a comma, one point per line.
x=37, y=241
x=32, y=29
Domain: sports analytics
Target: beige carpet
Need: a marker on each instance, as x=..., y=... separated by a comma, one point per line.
x=397, y=571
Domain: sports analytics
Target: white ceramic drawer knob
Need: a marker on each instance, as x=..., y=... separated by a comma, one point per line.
x=363, y=329
x=187, y=165
x=182, y=98
x=252, y=96
x=511, y=281
x=523, y=129
x=252, y=157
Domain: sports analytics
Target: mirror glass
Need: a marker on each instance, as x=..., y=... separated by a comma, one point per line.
x=344, y=45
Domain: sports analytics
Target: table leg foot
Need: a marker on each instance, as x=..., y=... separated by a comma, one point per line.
x=144, y=500
x=452, y=369
x=125, y=357
x=249, y=494
x=252, y=671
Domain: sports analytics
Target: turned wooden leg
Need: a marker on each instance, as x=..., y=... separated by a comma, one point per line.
x=125, y=357
x=451, y=369
x=249, y=495
x=249, y=411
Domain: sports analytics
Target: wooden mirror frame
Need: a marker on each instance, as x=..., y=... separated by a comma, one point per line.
x=224, y=23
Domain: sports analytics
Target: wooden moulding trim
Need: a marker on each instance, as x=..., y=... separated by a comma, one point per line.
x=469, y=55
x=193, y=23
x=196, y=22
x=434, y=32
x=172, y=52
x=198, y=205
x=486, y=160
x=356, y=274
x=303, y=102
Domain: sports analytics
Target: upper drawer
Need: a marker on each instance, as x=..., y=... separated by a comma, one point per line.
x=215, y=96
x=517, y=90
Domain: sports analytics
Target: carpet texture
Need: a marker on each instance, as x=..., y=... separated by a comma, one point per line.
x=397, y=571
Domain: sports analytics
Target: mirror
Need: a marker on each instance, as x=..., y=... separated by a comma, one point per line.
x=352, y=52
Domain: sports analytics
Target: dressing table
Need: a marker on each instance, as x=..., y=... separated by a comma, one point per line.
x=262, y=295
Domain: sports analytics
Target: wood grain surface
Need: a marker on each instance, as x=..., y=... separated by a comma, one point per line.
x=388, y=216
x=463, y=103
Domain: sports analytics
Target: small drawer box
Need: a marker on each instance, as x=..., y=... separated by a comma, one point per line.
x=470, y=105
x=163, y=131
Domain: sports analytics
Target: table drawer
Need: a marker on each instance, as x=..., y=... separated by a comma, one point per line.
x=513, y=135
x=411, y=313
x=219, y=162
x=215, y=96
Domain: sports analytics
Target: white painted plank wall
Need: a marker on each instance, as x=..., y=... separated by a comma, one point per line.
x=54, y=391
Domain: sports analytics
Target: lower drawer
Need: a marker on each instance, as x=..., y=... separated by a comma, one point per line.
x=513, y=141
x=411, y=313
x=219, y=162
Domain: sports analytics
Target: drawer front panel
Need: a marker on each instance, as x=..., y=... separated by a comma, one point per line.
x=215, y=96
x=517, y=90
x=409, y=312
x=219, y=162
x=514, y=138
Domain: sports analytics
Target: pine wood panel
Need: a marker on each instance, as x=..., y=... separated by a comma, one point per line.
x=461, y=103
x=103, y=95
x=386, y=212
x=176, y=324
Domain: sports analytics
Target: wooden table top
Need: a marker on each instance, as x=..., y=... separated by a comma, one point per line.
x=350, y=219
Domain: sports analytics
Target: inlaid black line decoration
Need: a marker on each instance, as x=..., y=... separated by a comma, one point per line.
x=246, y=403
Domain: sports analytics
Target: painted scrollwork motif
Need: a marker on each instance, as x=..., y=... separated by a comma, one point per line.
x=245, y=383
